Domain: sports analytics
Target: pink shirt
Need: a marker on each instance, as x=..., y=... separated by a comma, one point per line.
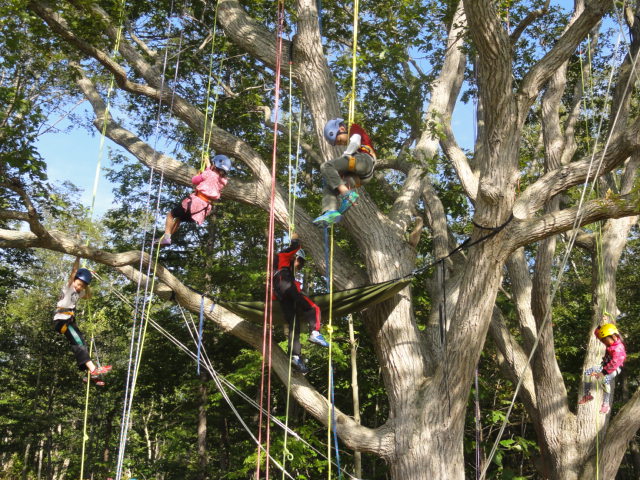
x=614, y=357
x=208, y=183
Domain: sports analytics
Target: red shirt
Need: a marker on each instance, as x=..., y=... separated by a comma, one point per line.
x=364, y=138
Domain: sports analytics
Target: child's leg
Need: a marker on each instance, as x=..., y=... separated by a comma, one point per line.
x=588, y=384
x=78, y=345
x=171, y=224
x=606, y=387
x=310, y=311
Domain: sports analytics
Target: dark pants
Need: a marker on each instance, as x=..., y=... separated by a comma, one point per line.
x=78, y=346
x=292, y=301
x=333, y=171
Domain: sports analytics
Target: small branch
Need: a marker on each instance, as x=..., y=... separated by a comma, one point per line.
x=529, y=19
x=32, y=215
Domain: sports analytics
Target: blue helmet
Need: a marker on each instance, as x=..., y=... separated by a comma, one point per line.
x=331, y=130
x=84, y=275
x=222, y=162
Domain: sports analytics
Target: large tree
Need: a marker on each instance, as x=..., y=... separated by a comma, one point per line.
x=518, y=83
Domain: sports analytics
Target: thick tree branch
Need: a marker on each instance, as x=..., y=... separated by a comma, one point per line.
x=621, y=146
x=378, y=441
x=529, y=231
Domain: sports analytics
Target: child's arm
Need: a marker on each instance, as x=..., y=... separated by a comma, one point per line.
x=74, y=270
x=355, y=142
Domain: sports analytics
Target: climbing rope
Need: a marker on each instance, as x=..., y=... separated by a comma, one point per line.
x=137, y=340
x=85, y=436
x=209, y=122
x=268, y=313
x=590, y=181
x=221, y=382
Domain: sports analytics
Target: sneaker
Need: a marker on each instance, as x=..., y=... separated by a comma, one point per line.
x=605, y=408
x=317, y=338
x=97, y=380
x=299, y=364
x=587, y=398
x=347, y=199
x=328, y=218
x=103, y=370
x=166, y=240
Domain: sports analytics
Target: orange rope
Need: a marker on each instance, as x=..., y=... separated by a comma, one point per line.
x=268, y=312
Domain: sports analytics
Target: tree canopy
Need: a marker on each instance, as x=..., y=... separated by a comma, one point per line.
x=519, y=227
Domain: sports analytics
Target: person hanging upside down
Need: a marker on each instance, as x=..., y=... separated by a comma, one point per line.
x=611, y=365
x=356, y=166
x=65, y=321
x=288, y=292
x=197, y=206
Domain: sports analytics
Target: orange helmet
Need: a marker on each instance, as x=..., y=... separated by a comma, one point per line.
x=605, y=330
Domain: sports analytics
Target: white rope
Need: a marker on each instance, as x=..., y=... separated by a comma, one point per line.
x=220, y=380
x=148, y=295
x=574, y=234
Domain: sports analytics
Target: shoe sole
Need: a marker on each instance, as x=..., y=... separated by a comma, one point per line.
x=324, y=223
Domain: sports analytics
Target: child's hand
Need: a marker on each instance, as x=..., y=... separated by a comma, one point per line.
x=597, y=374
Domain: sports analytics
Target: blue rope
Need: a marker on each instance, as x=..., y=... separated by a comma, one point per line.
x=200, y=330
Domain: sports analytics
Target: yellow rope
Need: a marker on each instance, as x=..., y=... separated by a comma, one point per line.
x=206, y=137
x=330, y=332
x=292, y=207
x=354, y=61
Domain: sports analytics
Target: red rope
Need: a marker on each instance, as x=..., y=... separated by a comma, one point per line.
x=268, y=312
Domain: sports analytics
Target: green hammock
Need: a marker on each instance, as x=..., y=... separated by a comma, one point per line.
x=344, y=301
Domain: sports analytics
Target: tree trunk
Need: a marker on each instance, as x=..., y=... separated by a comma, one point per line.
x=203, y=460
x=357, y=456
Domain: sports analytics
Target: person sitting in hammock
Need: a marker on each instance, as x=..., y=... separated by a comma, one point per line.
x=287, y=291
x=611, y=365
x=356, y=165
x=197, y=206
x=64, y=320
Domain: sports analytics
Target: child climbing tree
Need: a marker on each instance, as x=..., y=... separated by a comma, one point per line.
x=505, y=201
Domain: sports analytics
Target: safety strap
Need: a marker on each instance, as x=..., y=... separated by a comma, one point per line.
x=202, y=196
x=65, y=311
x=368, y=150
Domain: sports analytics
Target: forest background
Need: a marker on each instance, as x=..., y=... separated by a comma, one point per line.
x=417, y=65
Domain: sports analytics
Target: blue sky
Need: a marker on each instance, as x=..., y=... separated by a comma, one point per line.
x=72, y=152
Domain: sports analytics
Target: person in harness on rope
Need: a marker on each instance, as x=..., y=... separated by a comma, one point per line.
x=287, y=291
x=611, y=365
x=65, y=321
x=341, y=175
x=197, y=206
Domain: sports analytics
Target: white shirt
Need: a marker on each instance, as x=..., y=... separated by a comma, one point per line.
x=68, y=299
